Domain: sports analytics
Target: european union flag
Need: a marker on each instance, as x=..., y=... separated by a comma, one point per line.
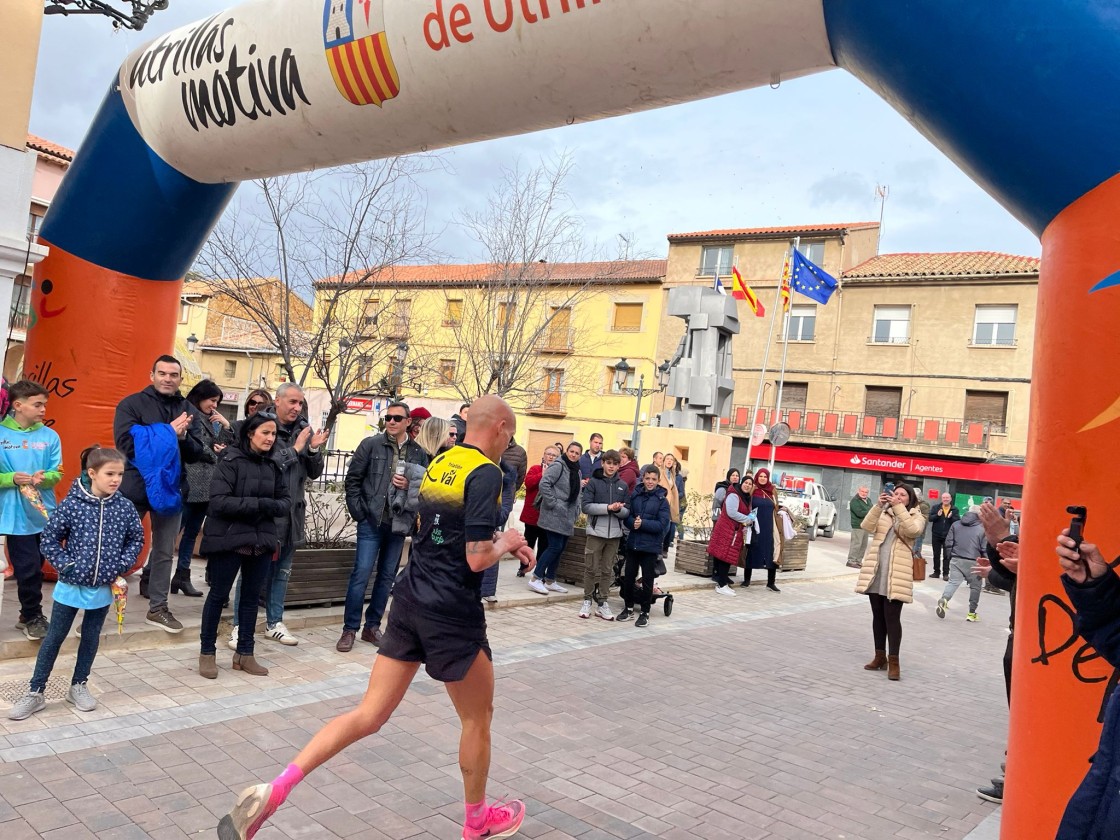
x=811, y=280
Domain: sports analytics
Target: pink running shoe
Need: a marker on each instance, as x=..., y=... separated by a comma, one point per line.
x=502, y=820
x=254, y=806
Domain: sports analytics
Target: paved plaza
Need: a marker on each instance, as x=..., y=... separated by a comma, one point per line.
x=745, y=717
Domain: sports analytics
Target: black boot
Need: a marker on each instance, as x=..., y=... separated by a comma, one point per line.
x=144, y=583
x=771, y=578
x=182, y=582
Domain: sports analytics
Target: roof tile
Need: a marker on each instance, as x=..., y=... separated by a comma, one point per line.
x=951, y=264
x=49, y=149
x=452, y=275
x=836, y=227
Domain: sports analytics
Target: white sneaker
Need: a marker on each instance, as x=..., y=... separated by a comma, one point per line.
x=232, y=643
x=555, y=587
x=279, y=633
x=490, y=599
x=725, y=590
x=537, y=585
x=80, y=697
x=604, y=612
x=585, y=610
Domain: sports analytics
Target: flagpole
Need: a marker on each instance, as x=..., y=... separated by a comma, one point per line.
x=765, y=361
x=785, y=355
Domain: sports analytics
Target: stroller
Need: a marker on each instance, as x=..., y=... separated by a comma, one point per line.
x=657, y=595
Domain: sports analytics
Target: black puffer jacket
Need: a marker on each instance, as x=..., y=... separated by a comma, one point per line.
x=147, y=408
x=247, y=495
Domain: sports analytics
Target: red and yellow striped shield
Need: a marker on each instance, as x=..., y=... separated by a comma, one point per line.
x=358, y=52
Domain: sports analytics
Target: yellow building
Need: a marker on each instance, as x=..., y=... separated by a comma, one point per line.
x=919, y=367
x=546, y=336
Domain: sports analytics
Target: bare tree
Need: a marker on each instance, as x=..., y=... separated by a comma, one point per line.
x=294, y=235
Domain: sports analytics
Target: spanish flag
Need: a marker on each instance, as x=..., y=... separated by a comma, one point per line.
x=741, y=291
x=785, y=285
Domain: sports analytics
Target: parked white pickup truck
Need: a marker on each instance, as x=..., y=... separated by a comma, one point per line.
x=815, y=504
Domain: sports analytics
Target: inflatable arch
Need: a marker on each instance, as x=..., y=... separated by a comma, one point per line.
x=1013, y=92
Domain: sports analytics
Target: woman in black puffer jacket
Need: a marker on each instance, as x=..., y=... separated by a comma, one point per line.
x=247, y=494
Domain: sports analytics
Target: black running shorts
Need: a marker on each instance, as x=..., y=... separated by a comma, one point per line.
x=447, y=648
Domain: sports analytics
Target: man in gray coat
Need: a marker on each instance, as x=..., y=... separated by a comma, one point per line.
x=604, y=502
x=965, y=545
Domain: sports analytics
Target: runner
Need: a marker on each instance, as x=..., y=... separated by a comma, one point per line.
x=437, y=619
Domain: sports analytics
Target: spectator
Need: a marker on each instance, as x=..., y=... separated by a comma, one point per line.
x=942, y=520
x=249, y=502
x=30, y=467
x=372, y=471
x=765, y=549
x=153, y=429
x=965, y=547
x=558, y=498
x=923, y=509
x=589, y=460
x=258, y=400
x=647, y=522
x=517, y=458
x=212, y=427
x=628, y=471
x=656, y=462
x=489, y=586
x=720, y=493
x=887, y=573
x=857, y=509
x=418, y=418
x=459, y=420
x=731, y=533
x=605, y=502
x=530, y=513
x=298, y=450
x=669, y=481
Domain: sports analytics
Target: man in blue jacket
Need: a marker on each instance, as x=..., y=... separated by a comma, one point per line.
x=589, y=460
x=648, y=522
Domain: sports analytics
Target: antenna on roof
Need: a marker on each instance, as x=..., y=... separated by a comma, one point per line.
x=881, y=192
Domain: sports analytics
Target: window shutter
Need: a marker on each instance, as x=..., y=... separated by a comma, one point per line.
x=794, y=396
x=627, y=317
x=883, y=402
x=986, y=407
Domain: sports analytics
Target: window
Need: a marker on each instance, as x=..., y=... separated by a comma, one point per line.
x=364, y=371
x=231, y=368
x=453, y=312
x=370, y=310
x=986, y=407
x=558, y=331
x=401, y=318
x=446, y=371
x=627, y=317
x=795, y=395
x=715, y=259
x=995, y=326
x=612, y=383
x=184, y=311
x=506, y=313
x=812, y=251
x=34, y=222
x=882, y=402
x=892, y=325
x=802, y=323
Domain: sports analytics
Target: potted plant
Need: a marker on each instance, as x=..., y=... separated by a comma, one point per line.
x=321, y=569
x=692, y=552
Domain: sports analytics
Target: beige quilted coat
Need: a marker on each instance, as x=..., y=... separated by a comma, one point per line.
x=911, y=523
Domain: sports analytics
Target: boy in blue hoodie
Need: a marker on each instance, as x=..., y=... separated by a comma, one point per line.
x=30, y=467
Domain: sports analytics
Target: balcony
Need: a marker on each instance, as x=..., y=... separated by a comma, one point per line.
x=551, y=403
x=19, y=319
x=844, y=427
x=394, y=327
x=556, y=341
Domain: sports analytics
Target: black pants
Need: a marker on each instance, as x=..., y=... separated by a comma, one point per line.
x=771, y=574
x=886, y=623
x=1007, y=666
x=646, y=561
x=721, y=572
x=939, y=552
x=224, y=566
x=537, y=538
x=27, y=565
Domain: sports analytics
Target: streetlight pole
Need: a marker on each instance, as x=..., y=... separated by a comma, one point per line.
x=637, y=410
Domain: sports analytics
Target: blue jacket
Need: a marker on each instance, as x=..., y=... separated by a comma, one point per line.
x=588, y=465
x=156, y=458
x=652, y=507
x=27, y=450
x=1093, y=812
x=90, y=541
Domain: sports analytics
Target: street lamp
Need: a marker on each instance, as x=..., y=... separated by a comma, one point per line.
x=192, y=343
x=622, y=371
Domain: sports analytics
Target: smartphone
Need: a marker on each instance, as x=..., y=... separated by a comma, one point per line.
x=1077, y=530
x=889, y=488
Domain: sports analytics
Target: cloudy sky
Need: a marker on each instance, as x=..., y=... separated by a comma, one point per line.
x=810, y=152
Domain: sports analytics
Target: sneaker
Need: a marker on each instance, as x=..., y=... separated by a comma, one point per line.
x=555, y=587
x=625, y=615
x=232, y=643
x=537, y=585
x=490, y=599
x=942, y=606
x=935, y=576
x=854, y=564
x=279, y=633
x=585, y=609
x=80, y=697
x=502, y=819
x=35, y=629
x=725, y=590
x=642, y=621
x=164, y=620
x=972, y=617
x=254, y=806
x=604, y=612
x=992, y=794
x=26, y=706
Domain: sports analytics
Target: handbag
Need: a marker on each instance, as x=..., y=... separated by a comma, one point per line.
x=919, y=570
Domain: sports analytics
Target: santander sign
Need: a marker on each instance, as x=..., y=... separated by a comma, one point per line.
x=905, y=464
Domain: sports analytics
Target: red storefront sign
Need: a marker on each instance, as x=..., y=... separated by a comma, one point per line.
x=355, y=405
x=903, y=464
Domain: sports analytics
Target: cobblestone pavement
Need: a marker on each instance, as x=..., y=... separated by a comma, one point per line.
x=746, y=717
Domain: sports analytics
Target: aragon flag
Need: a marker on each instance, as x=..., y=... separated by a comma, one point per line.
x=741, y=291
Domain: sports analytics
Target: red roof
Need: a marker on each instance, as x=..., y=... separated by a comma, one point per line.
x=49, y=149
x=766, y=232
x=952, y=264
x=617, y=271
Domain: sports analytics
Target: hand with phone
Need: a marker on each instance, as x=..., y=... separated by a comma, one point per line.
x=1080, y=560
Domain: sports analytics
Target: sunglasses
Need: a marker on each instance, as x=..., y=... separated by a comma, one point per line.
x=255, y=403
x=395, y=418
x=453, y=434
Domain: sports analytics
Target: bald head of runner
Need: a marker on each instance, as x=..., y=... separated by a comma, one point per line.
x=491, y=426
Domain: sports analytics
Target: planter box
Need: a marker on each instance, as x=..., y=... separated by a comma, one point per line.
x=320, y=577
x=795, y=553
x=571, y=566
x=692, y=558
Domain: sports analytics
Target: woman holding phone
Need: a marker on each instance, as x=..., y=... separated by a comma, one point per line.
x=886, y=575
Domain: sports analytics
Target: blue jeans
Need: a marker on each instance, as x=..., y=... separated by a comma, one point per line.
x=549, y=559
x=378, y=549
x=62, y=619
x=275, y=588
x=194, y=513
x=490, y=581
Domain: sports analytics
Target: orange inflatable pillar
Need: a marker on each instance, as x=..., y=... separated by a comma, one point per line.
x=1059, y=683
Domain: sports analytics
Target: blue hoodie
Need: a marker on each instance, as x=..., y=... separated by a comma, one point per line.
x=27, y=450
